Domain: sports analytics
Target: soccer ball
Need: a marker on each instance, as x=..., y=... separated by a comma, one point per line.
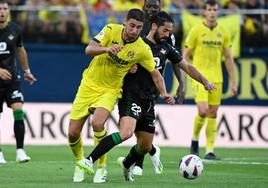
x=191, y=166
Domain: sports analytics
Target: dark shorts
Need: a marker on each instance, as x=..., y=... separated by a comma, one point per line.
x=140, y=109
x=11, y=93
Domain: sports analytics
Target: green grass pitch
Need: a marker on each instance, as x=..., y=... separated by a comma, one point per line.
x=52, y=166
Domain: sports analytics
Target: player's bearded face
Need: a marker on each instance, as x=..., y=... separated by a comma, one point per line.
x=3, y=12
x=163, y=32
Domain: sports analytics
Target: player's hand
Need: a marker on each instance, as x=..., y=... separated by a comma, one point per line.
x=169, y=99
x=133, y=69
x=180, y=93
x=115, y=49
x=5, y=75
x=210, y=86
x=234, y=89
x=29, y=78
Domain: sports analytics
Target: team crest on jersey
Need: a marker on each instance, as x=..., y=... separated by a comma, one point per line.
x=131, y=54
x=10, y=37
x=163, y=51
x=219, y=35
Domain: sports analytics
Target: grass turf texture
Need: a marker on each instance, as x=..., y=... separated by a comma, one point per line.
x=52, y=166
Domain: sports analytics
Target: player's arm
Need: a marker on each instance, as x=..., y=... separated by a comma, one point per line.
x=160, y=85
x=195, y=74
x=181, y=79
x=23, y=59
x=94, y=48
x=229, y=64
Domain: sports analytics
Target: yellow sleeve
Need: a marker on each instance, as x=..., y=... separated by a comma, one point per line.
x=190, y=41
x=104, y=36
x=148, y=59
x=227, y=40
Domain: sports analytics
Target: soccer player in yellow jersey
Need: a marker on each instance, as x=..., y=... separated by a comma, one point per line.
x=207, y=43
x=115, y=49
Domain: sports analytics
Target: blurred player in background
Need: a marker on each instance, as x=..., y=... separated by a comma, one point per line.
x=116, y=48
x=206, y=44
x=10, y=84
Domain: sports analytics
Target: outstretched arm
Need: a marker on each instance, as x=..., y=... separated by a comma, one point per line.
x=195, y=74
x=94, y=48
x=23, y=59
x=181, y=79
x=160, y=84
x=229, y=64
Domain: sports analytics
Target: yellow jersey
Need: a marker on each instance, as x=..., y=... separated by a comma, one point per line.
x=107, y=71
x=208, y=47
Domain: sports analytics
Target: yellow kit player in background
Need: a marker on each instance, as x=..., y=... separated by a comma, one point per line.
x=115, y=49
x=207, y=43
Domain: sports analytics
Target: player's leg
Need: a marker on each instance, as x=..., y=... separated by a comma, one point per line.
x=211, y=127
x=2, y=158
x=201, y=98
x=19, y=132
x=14, y=99
x=134, y=155
x=99, y=118
x=78, y=116
x=145, y=141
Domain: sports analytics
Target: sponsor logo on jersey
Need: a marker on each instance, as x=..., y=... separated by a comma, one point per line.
x=212, y=43
x=117, y=60
x=3, y=47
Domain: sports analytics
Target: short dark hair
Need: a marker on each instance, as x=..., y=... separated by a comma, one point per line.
x=160, y=18
x=136, y=14
x=211, y=3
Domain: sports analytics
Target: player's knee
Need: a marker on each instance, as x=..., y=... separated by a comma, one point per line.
x=126, y=134
x=145, y=148
x=97, y=125
x=203, y=112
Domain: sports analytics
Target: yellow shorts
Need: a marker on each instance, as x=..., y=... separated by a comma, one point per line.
x=89, y=98
x=202, y=95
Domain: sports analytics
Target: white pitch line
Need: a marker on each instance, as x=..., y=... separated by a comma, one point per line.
x=166, y=162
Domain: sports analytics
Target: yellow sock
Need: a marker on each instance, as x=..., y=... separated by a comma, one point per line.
x=77, y=149
x=98, y=136
x=211, y=132
x=198, y=124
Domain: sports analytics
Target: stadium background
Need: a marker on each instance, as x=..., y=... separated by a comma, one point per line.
x=56, y=32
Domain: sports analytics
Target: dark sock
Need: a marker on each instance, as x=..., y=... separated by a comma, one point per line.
x=104, y=146
x=139, y=163
x=134, y=155
x=19, y=131
x=153, y=150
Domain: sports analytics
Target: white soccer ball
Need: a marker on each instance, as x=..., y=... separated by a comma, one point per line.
x=191, y=166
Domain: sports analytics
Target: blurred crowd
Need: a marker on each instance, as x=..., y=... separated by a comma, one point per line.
x=64, y=21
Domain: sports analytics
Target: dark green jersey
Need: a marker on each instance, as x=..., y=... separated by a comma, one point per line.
x=10, y=39
x=141, y=82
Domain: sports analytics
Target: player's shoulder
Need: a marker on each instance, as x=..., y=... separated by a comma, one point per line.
x=114, y=27
x=13, y=26
x=197, y=27
x=222, y=28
